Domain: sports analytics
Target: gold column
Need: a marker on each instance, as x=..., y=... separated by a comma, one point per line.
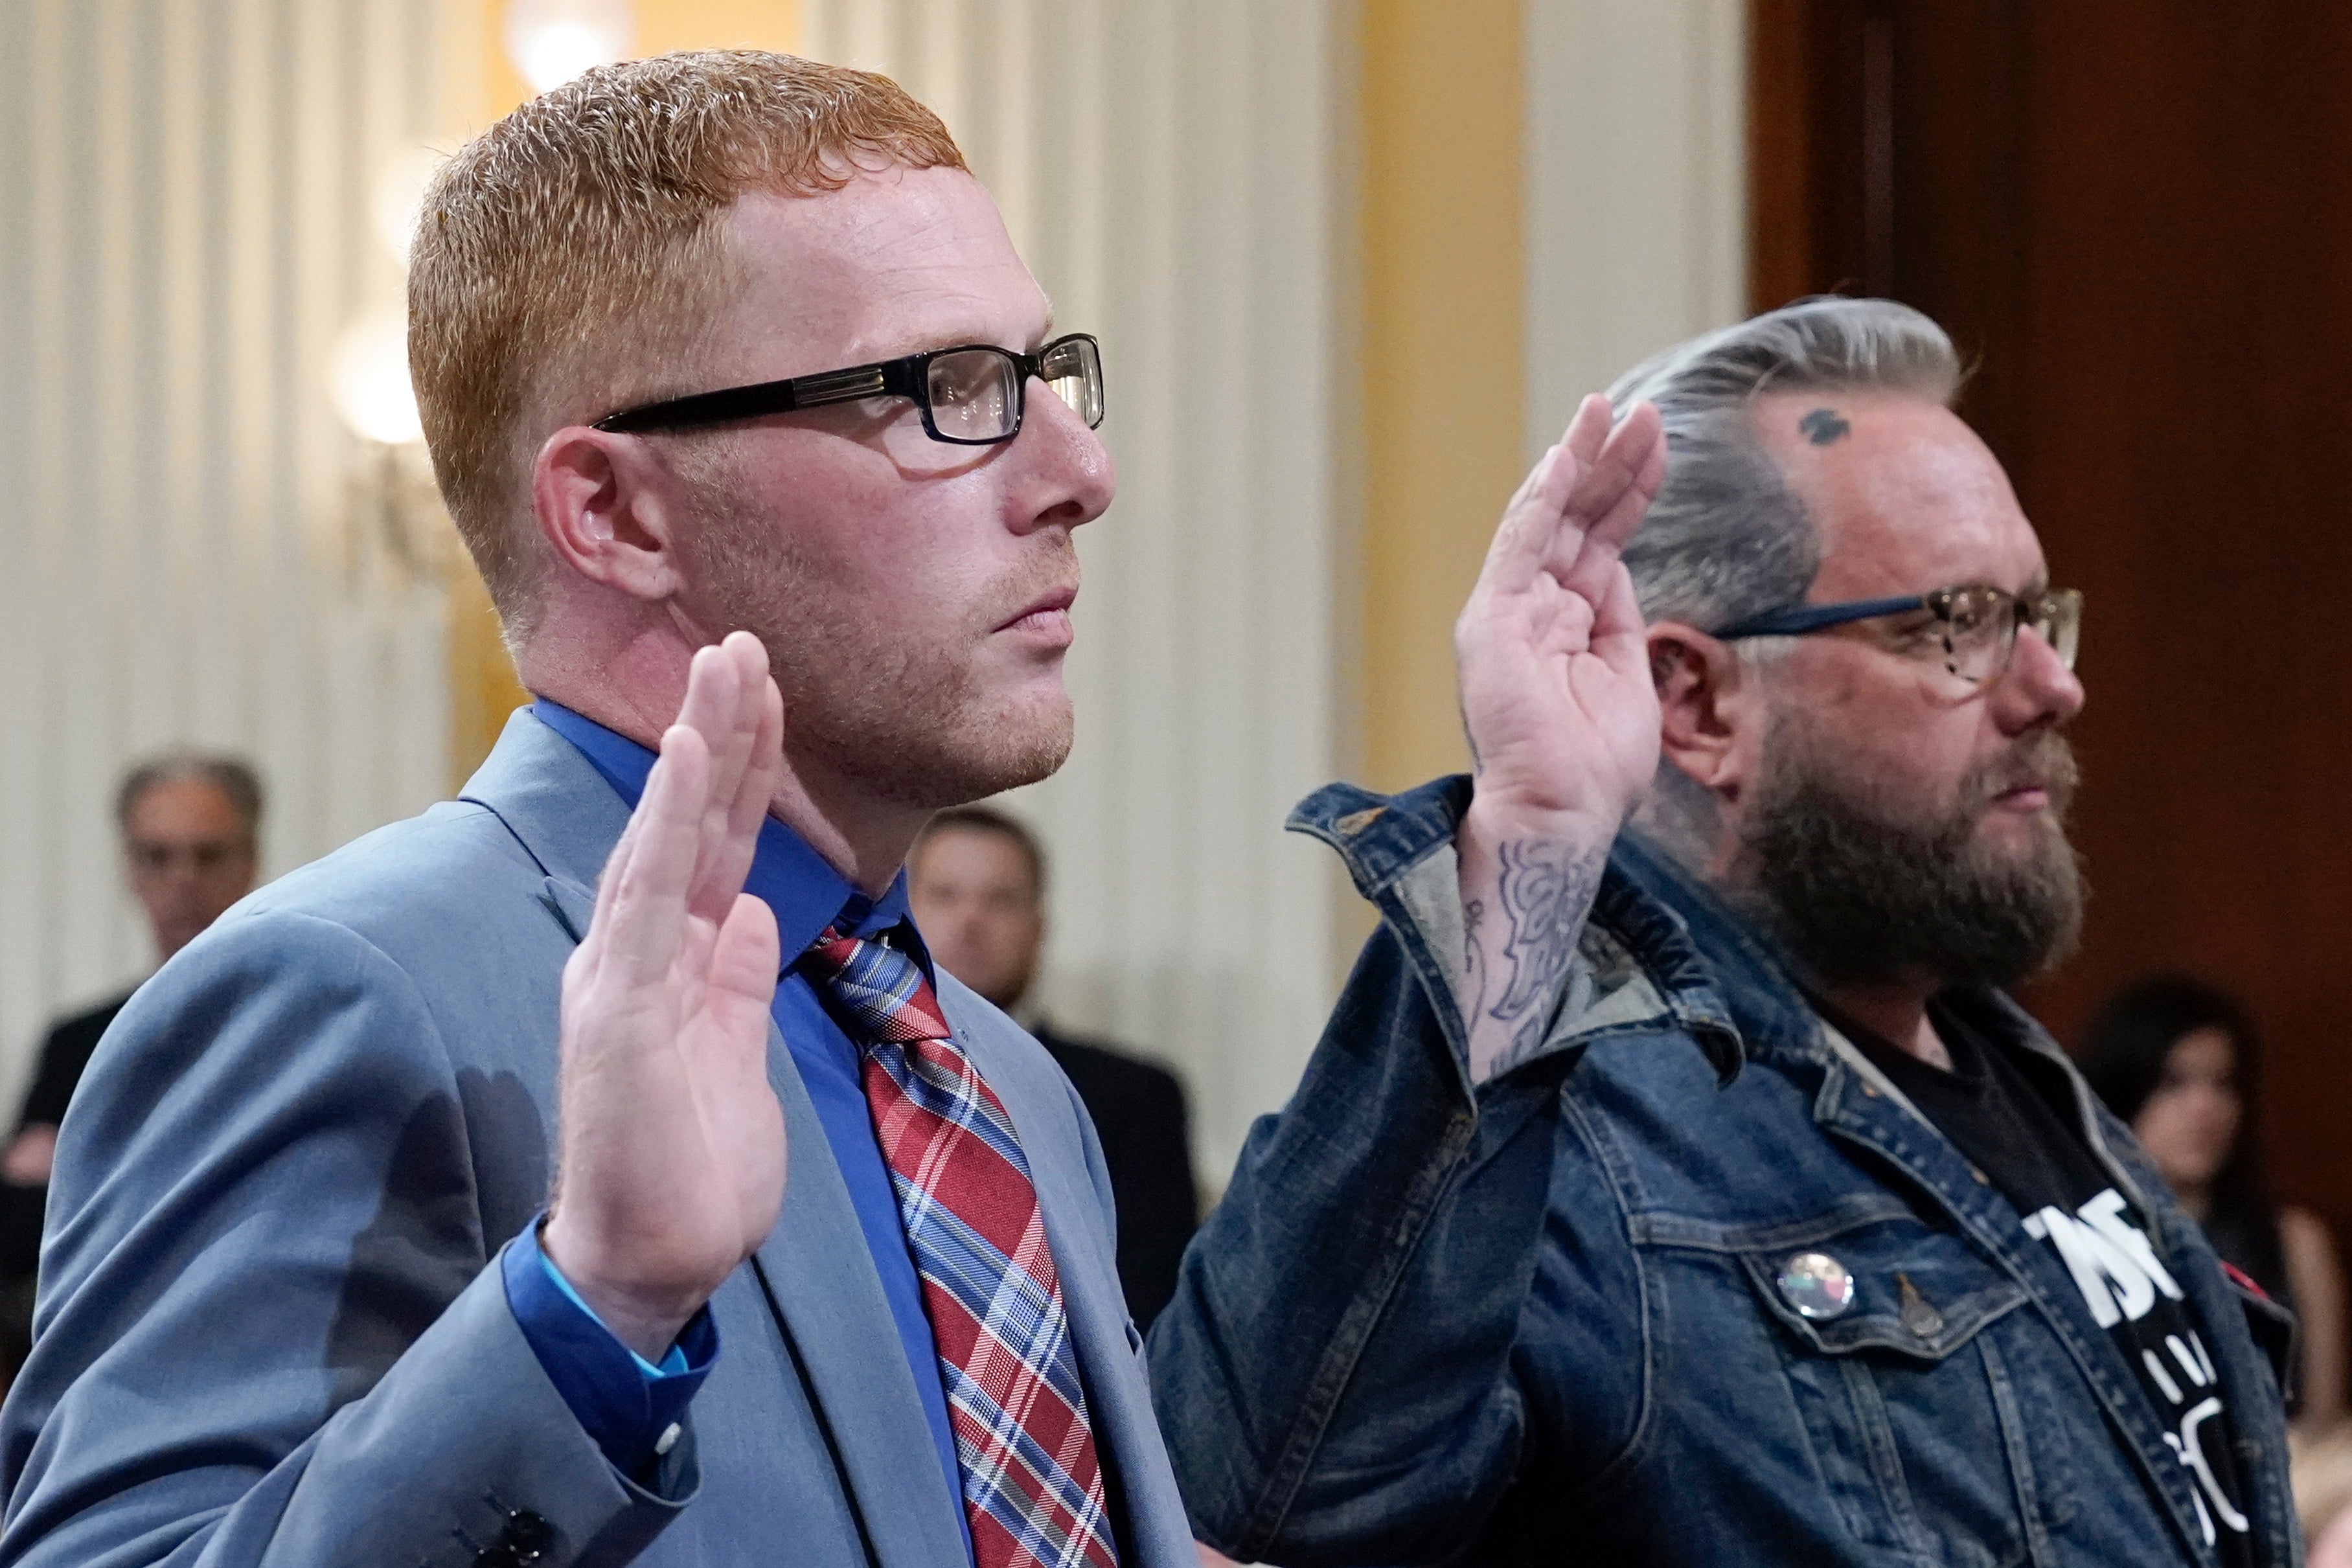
x=1442, y=108
x=482, y=685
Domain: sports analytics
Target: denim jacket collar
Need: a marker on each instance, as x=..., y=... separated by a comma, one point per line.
x=1639, y=969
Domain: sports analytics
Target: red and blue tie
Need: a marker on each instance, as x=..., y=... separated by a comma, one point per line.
x=1032, y=1488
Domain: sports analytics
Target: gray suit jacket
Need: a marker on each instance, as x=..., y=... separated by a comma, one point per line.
x=271, y=1329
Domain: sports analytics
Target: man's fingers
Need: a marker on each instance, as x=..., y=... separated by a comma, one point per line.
x=727, y=833
x=726, y=860
x=1612, y=495
x=1523, y=537
x=1588, y=431
x=1619, y=635
x=728, y=721
x=767, y=769
x=744, y=960
x=1618, y=466
x=710, y=691
x=645, y=921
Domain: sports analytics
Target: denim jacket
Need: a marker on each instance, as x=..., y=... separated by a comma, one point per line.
x=1538, y=1321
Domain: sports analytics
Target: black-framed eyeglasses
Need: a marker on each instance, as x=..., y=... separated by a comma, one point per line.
x=973, y=395
x=1973, y=626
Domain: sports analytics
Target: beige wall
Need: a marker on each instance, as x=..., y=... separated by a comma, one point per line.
x=1441, y=114
x=1636, y=185
x=191, y=558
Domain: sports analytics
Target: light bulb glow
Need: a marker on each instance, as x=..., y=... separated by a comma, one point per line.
x=552, y=41
x=367, y=380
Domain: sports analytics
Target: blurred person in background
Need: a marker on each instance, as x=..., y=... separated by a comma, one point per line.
x=2323, y=1497
x=2180, y=1061
x=190, y=827
x=976, y=882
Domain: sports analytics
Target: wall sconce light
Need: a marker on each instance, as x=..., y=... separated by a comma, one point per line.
x=392, y=495
x=393, y=512
x=552, y=41
x=368, y=379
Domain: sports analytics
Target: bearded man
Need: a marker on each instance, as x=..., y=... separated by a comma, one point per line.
x=1701, y=1198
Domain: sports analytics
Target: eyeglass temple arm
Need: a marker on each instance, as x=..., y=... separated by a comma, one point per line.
x=898, y=376
x=1796, y=620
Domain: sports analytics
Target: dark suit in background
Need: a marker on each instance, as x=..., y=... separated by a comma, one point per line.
x=1141, y=1118
x=63, y=1053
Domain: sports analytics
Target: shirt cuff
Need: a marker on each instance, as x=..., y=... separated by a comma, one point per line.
x=630, y=1406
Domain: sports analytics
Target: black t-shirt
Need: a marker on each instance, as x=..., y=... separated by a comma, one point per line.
x=64, y=1056
x=2012, y=1115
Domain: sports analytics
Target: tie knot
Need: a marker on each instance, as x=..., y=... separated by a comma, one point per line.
x=880, y=990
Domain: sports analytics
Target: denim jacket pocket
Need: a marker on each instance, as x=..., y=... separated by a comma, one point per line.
x=1898, y=1343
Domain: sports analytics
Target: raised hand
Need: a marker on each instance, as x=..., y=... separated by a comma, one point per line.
x=671, y=1142
x=1563, y=719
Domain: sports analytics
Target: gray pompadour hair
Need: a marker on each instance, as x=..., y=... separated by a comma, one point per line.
x=1726, y=539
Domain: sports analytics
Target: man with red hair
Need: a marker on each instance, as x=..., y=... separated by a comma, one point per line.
x=761, y=436
x=438, y=1209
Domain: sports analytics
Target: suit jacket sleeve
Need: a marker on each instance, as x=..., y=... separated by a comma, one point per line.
x=271, y=1328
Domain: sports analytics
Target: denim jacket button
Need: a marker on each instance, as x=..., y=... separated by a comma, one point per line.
x=1920, y=1318
x=1817, y=1285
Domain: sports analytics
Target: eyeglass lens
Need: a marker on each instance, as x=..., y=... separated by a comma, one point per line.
x=2060, y=624
x=1073, y=368
x=975, y=393
x=1981, y=625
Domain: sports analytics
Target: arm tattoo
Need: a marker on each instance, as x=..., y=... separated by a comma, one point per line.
x=1548, y=890
x=1823, y=426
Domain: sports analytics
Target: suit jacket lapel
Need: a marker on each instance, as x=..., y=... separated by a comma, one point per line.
x=830, y=1307
x=1110, y=1359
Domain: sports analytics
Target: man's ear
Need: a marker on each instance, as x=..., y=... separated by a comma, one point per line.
x=609, y=508
x=1703, y=695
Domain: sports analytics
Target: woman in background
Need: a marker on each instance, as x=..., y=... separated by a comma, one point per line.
x=2180, y=1061
x=2322, y=1478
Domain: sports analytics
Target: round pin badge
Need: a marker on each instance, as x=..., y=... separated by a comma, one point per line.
x=1817, y=1285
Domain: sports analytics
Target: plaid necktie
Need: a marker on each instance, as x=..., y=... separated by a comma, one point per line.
x=1032, y=1488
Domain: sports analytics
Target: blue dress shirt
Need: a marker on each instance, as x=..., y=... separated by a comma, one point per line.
x=598, y=1376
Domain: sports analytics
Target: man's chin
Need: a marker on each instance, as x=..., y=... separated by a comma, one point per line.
x=2020, y=836
x=1001, y=747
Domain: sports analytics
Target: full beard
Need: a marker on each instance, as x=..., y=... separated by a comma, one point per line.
x=1856, y=889
x=892, y=708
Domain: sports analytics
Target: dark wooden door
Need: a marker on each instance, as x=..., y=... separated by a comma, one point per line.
x=2137, y=213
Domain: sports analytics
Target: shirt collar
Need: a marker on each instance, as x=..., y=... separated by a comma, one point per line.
x=800, y=885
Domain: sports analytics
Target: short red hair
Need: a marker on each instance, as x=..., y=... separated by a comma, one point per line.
x=567, y=245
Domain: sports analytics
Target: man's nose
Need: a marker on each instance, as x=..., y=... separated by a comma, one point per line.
x=1067, y=460
x=2038, y=688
